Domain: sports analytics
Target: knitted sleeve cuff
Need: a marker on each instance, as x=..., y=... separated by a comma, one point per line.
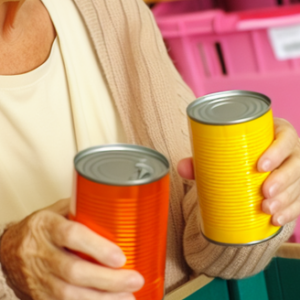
x=221, y=261
x=6, y=293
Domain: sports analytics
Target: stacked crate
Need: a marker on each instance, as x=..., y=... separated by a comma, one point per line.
x=215, y=50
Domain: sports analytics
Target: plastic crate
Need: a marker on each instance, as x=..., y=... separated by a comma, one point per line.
x=226, y=5
x=217, y=51
x=233, y=5
x=156, y=1
x=178, y=7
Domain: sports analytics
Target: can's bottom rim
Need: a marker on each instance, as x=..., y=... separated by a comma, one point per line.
x=246, y=244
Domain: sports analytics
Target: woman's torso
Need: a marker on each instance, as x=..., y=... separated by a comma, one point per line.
x=49, y=113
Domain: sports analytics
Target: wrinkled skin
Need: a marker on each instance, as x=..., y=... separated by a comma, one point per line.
x=282, y=188
x=34, y=255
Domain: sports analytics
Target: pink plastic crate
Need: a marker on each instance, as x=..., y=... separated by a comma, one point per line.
x=226, y=5
x=233, y=5
x=164, y=9
x=216, y=51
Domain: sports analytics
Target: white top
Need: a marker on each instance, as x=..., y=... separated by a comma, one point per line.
x=50, y=113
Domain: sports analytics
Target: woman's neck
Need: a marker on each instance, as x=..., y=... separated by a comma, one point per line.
x=9, y=25
x=26, y=36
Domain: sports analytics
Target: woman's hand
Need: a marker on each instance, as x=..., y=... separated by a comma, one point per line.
x=282, y=188
x=35, y=260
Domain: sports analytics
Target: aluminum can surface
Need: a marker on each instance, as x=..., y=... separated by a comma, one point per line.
x=229, y=132
x=122, y=192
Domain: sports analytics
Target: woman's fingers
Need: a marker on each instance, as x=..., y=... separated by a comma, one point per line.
x=79, y=272
x=287, y=215
x=285, y=207
x=37, y=243
x=284, y=144
x=61, y=290
x=280, y=179
x=185, y=168
x=282, y=187
x=76, y=236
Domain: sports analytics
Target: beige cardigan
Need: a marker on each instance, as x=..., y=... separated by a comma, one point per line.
x=151, y=99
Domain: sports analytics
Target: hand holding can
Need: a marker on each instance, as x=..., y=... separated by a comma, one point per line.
x=229, y=132
x=37, y=265
x=122, y=193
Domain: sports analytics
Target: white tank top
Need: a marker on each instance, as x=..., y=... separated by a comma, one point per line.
x=50, y=113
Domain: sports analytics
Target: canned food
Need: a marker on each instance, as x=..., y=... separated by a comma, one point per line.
x=122, y=193
x=229, y=132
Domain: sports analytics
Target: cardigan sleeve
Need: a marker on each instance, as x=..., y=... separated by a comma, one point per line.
x=219, y=261
x=6, y=293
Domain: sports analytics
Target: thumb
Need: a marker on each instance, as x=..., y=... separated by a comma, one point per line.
x=185, y=168
x=60, y=207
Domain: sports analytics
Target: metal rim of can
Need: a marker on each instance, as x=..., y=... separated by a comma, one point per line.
x=246, y=244
x=224, y=94
x=123, y=147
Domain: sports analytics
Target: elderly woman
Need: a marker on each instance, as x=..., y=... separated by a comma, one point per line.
x=80, y=73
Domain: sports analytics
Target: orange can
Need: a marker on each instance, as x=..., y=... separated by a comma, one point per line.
x=229, y=132
x=122, y=192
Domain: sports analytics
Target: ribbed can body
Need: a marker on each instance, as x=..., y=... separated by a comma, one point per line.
x=135, y=217
x=228, y=183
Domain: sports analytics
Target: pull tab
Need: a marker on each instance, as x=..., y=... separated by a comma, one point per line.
x=143, y=171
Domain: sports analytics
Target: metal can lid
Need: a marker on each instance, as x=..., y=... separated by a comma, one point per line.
x=229, y=107
x=121, y=164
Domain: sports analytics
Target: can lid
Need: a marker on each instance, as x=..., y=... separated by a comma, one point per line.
x=229, y=107
x=121, y=164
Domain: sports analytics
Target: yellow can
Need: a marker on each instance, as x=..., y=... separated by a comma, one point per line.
x=229, y=132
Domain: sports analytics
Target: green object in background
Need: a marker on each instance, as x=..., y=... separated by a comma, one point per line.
x=215, y=290
x=273, y=281
x=248, y=289
x=280, y=281
x=289, y=272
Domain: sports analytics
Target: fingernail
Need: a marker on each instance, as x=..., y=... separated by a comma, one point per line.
x=273, y=207
x=273, y=189
x=135, y=282
x=266, y=165
x=118, y=259
x=281, y=220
